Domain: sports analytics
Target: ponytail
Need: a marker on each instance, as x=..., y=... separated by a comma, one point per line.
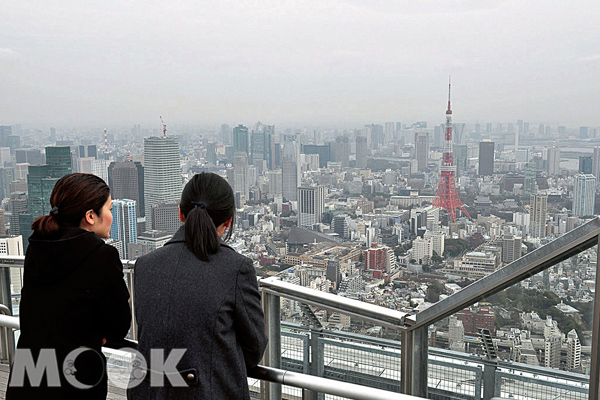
x=201, y=236
x=207, y=202
x=46, y=225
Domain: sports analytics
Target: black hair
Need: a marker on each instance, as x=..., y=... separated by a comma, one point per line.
x=207, y=201
x=72, y=196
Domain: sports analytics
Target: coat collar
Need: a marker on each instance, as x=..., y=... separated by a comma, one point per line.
x=179, y=237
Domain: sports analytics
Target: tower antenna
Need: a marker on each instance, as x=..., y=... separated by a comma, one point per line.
x=446, y=196
x=164, y=126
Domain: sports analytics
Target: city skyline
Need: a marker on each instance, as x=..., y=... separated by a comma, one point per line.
x=288, y=64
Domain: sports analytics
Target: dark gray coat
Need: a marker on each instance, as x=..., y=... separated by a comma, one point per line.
x=212, y=309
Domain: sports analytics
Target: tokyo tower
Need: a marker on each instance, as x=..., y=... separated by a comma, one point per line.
x=446, y=196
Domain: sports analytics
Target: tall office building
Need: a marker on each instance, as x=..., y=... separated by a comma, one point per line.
x=342, y=150
x=573, y=351
x=586, y=164
x=165, y=217
x=584, y=132
x=162, y=173
x=311, y=204
x=126, y=181
x=552, y=347
x=553, y=161
x=530, y=181
x=263, y=145
x=511, y=248
x=324, y=152
x=240, y=139
x=421, y=150
x=7, y=175
x=225, y=134
x=29, y=156
x=460, y=158
x=240, y=178
x=596, y=163
x=290, y=167
x=459, y=133
x=124, y=225
x=361, y=152
x=390, y=132
x=583, y=195
x=538, y=211
x=59, y=161
x=486, y=158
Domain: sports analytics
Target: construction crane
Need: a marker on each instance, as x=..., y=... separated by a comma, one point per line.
x=164, y=126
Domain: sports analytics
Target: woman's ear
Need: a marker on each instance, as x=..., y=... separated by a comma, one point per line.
x=89, y=219
x=181, y=216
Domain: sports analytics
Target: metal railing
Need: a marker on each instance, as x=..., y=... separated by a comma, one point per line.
x=273, y=375
x=413, y=328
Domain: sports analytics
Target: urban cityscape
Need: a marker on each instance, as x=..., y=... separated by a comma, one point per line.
x=397, y=214
x=389, y=155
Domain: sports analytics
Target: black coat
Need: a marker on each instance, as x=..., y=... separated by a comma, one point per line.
x=73, y=296
x=211, y=309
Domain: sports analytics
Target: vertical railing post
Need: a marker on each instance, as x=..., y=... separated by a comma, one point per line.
x=272, y=357
x=8, y=336
x=595, y=370
x=489, y=379
x=317, y=359
x=130, y=278
x=413, y=362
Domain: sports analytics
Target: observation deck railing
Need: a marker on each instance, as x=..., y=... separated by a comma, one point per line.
x=418, y=366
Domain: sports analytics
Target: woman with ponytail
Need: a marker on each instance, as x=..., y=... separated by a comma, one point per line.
x=198, y=295
x=73, y=296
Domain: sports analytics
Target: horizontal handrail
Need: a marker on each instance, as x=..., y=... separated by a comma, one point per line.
x=274, y=375
x=564, y=247
x=366, y=311
x=10, y=321
x=324, y=385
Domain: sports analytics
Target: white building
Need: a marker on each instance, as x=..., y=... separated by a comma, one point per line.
x=583, y=195
x=162, y=173
x=311, y=204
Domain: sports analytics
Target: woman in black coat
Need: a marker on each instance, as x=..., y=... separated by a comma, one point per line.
x=73, y=297
x=196, y=295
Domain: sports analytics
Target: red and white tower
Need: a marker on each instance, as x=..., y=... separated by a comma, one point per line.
x=446, y=196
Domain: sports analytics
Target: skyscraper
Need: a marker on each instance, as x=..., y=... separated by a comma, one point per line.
x=162, y=173
x=126, y=181
x=596, y=163
x=225, y=134
x=553, y=161
x=486, y=158
x=59, y=161
x=290, y=167
x=263, y=145
x=124, y=225
x=311, y=204
x=538, y=210
x=573, y=351
x=240, y=177
x=421, y=150
x=390, y=132
x=586, y=164
x=240, y=139
x=583, y=195
x=342, y=150
x=361, y=152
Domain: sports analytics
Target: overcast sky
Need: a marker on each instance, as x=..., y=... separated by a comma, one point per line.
x=294, y=63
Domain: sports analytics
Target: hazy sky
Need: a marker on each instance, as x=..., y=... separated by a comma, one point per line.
x=345, y=62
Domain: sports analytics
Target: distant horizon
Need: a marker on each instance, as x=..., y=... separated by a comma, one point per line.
x=340, y=63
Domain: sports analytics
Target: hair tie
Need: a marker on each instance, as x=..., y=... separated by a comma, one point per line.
x=54, y=211
x=199, y=204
